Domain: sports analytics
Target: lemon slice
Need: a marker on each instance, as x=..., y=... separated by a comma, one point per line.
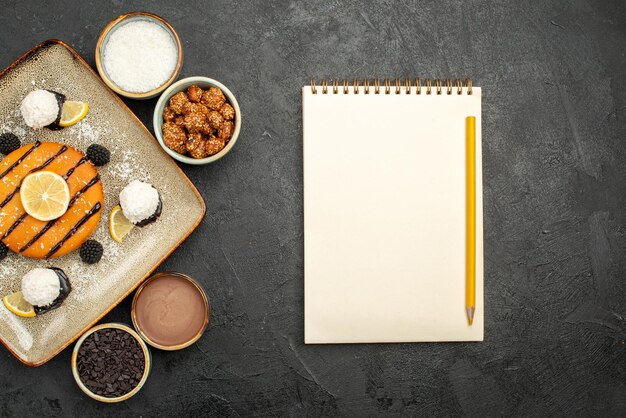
x=45, y=195
x=16, y=303
x=119, y=226
x=73, y=112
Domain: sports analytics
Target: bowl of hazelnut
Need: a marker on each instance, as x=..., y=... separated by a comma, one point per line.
x=197, y=120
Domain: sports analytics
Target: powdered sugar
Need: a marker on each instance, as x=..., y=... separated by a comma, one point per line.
x=10, y=126
x=86, y=132
x=124, y=169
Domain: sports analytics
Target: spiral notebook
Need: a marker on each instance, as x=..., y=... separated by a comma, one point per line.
x=384, y=211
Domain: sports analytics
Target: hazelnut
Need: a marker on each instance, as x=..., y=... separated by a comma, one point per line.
x=197, y=146
x=213, y=98
x=174, y=137
x=194, y=122
x=194, y=93
x=227, y=112
x=208, y=130
x=226, y=130
x=215, y=145
x=215, y=119
x=177, y=102
x=190, y=107
x=168, y=114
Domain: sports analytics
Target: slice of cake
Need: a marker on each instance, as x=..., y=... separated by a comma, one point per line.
x=31, y=237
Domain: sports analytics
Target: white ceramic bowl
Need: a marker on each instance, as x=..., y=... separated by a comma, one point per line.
x=103, y=39
x=147, y=359
x=181, y=85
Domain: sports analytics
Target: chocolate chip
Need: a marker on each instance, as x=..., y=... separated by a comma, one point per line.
x=110, y=362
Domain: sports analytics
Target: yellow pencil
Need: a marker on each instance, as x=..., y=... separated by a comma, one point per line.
x=470, y=220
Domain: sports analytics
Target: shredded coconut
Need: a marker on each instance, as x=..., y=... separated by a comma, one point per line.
x=139, y=201
x=40, y=286
x=125, y=169
x=85, y=131
x=39, y=108
x=140, y=56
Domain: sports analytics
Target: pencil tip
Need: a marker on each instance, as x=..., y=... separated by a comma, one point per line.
x=470, y=314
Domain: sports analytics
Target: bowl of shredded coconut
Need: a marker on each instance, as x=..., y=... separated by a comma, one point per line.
x=138, y=55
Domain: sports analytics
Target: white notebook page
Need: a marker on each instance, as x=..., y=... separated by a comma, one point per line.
x=384, y=216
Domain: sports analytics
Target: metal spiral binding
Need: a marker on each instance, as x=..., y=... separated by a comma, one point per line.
x=436, y=86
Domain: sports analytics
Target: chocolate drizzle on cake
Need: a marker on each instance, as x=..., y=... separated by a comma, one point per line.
x=75, y=228
x=84, y=189
x=9, y=197
x=71, y=170
x=49, y=160
x=19, y=160
x=15, y=225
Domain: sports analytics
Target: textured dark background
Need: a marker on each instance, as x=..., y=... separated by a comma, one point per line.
x=554, y=117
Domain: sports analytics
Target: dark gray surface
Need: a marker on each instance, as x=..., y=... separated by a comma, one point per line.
x=554, y=124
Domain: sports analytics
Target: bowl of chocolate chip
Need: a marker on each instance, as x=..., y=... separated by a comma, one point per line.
x=197, y=120
x=111, y=363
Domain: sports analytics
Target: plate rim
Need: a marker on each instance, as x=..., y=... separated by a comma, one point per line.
x=85, y=64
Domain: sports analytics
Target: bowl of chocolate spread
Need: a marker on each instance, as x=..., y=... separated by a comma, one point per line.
x=170, y=311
